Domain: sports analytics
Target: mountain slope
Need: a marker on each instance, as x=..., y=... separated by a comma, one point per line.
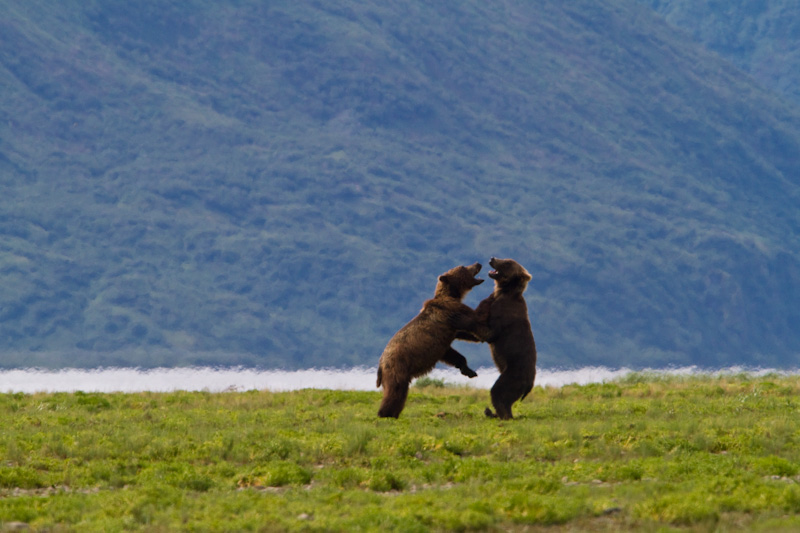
x=236, y=183
x=762, y=38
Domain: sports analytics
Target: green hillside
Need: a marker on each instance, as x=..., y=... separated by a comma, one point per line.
x=280, y=185
x=761, y=37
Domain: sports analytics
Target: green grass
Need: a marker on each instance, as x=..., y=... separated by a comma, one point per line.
x=644, y=453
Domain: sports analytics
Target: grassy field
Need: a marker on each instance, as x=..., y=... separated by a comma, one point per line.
x=647, y=453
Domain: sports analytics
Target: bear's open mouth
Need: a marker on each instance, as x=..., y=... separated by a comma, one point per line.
x=493, y=273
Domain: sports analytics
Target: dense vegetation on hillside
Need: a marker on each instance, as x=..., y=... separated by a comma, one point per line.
x=762, y=37
x=280, y=184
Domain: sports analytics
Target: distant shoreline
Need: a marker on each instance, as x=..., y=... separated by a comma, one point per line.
x=210, y=379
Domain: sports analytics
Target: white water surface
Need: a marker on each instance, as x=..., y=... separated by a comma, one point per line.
x=241, y=379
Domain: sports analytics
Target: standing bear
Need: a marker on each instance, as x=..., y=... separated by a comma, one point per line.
x=510, y=337
x=414, y=350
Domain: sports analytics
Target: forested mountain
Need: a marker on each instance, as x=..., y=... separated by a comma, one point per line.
x=280, y=183
x=760, y=36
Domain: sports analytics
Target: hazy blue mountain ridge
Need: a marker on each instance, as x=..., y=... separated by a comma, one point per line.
x=761, y=37
x=280, y=185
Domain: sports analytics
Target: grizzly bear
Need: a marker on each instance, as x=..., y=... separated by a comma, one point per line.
x=414, y=350
x=510, y=336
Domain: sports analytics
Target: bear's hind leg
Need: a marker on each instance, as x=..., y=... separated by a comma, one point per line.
x=394, y=399
x=505, y=391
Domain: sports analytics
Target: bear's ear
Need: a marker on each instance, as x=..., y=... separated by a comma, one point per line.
x=443, y=278
x=525, y=275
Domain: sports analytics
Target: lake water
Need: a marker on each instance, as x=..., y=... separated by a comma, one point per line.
x=241, y=379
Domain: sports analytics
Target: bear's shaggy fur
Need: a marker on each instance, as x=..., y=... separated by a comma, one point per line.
x=510, y=337
x=414, y=350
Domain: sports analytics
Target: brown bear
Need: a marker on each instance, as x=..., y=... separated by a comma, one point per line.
x=414, y=350
x=510, y=336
